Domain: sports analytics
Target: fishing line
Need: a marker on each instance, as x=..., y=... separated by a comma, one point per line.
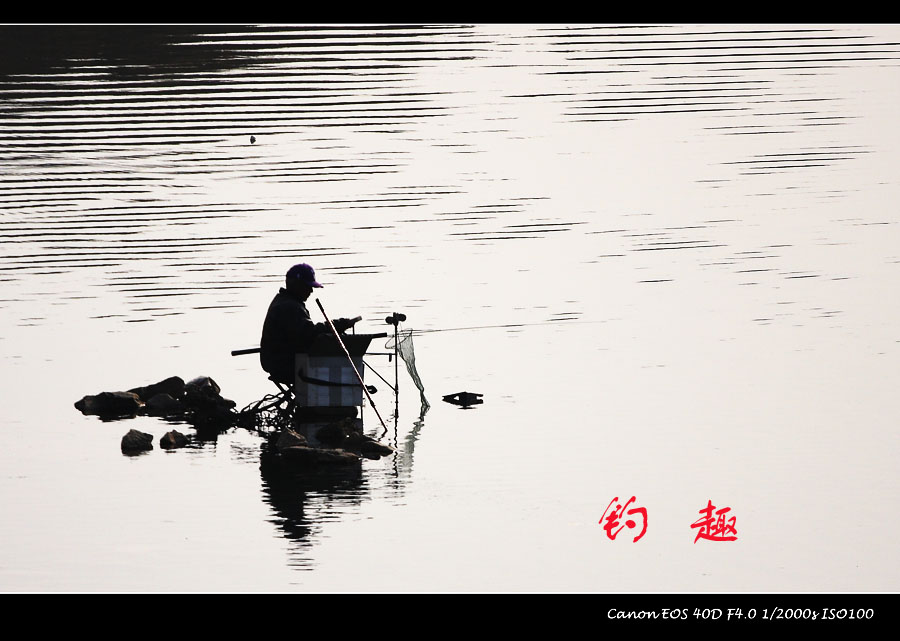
x=509, y=325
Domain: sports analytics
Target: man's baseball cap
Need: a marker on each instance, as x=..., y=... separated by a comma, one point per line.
x=304, y=273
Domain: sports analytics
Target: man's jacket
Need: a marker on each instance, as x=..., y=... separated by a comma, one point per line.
x=287, y=329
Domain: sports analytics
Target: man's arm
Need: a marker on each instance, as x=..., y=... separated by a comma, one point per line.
x=300, y=329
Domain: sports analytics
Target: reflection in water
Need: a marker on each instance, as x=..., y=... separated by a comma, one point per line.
x=702, y=196
x=403, y=458
x=304, y=500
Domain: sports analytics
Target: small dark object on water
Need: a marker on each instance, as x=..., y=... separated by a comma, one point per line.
x=172, y=440
x=252, y=139
x=136, y=442
x=111, y=404
x=464, y=399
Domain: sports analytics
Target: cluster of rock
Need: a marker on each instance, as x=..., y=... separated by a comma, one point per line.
x=198, y=401
x=136, y=441
x=342, y=442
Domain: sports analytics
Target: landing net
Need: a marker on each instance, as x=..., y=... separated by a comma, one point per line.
x=407, y=353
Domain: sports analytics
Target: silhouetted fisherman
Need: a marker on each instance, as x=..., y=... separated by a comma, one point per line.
x=288, y=328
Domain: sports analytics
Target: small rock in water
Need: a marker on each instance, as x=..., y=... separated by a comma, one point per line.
x=172, y=440
x=110, y=404
x=135, y=442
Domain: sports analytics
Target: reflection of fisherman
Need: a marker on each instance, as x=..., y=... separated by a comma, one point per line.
x=288, y=328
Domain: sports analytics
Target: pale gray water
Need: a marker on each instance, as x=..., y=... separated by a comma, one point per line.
x=676, y=244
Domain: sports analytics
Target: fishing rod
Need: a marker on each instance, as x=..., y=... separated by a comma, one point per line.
x=352, y=364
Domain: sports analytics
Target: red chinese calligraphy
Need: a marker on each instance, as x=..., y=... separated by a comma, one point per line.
x=613, y=520
x=715, y=528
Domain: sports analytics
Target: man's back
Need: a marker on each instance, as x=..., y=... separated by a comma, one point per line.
x=286, y=330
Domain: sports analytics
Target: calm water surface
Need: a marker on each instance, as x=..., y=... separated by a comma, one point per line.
x=664, y=254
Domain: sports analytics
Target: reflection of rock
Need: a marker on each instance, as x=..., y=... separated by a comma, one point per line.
x=110, y=404
x=172, y=440
x=288, y=486
x=135, y=442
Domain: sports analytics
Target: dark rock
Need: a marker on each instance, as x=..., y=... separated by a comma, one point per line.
x=347, y=435
x=205, y=406
x=110, y=404
x=172, y=440
x=353, y=441
x=173, y=386
x=163, y=405
x=370, y=447
x=213, y=417
x=289, y=438
x=315, y=456
x=204, y=385
x=212, y=422
x=337, y=433
x=136, y=441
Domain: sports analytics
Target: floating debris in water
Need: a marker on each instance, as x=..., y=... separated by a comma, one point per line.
x=464, y=399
